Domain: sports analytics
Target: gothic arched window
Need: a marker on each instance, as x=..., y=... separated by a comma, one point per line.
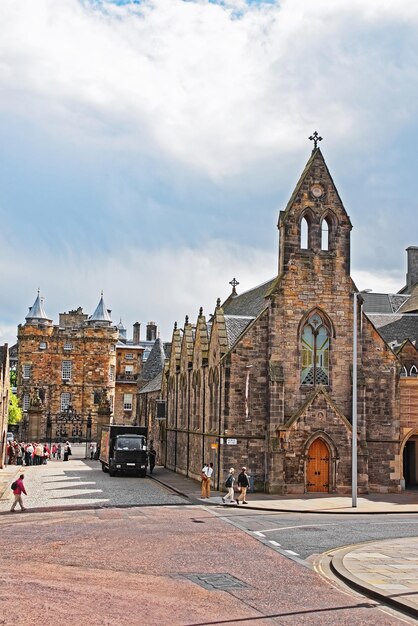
x=304, y=233
x=325, y=229
x=315, y=351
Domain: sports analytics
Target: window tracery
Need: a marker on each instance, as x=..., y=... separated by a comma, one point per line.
x=315, y=351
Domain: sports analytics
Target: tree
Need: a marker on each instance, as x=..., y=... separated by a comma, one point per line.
x=15, y=412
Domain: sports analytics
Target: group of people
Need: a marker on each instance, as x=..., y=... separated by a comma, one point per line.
x=243, y=484
x=35, y=453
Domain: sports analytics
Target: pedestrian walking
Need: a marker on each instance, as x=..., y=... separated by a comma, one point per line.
x=18, y=488
x=152, y=455
x=54, y=450
x=207, y=472
x=59, y=452
x=229, y=484
x=92, y=449
x=243, y=484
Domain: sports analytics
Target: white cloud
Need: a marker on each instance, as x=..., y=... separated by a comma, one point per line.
x=163, y=285
x=189, y=82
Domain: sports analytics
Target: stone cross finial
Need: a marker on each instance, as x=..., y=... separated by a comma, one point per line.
x=315, y=138
x=234, y=283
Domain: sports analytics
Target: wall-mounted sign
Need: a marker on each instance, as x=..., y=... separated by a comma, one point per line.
x=231, y=442
x=214, y=446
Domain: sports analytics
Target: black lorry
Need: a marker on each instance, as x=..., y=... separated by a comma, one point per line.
x=123, y=450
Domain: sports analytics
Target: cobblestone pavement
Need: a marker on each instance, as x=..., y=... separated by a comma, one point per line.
x=177, y=566
x=80, y=483
x=387, y=569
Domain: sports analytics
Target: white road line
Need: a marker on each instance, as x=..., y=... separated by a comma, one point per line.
x=291, y=552
x=257, y=532
x=275, y=543
x=271, y=530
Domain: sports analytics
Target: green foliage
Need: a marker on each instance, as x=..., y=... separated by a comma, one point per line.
x=13, y=378
x=15, y=412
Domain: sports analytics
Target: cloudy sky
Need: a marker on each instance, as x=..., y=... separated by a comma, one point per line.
x=147, y=148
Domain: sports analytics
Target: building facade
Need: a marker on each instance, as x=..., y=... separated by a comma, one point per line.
x=4, y=400
x=267, y=381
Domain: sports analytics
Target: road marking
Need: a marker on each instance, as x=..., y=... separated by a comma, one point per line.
x=257, y=532
x=271, y=530
x=291, y=552
x=275, y=543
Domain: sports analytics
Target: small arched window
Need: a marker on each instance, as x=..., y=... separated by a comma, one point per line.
x=325, y=229
x=413, y=371
x=304, y=234
x=404, y=372
x=315, y=352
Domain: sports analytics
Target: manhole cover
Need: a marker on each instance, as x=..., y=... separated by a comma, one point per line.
x=216, y=581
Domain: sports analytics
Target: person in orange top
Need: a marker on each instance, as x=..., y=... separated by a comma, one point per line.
x=19, y=488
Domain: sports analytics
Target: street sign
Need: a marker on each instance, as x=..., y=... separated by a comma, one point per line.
x=214, y=446
x=231, y=442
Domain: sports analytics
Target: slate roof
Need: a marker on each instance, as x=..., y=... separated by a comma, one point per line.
x=153, y=385
x=101, y=314
x=36, y=311
x=235, y=325
x=396, y=327
x=411, y=305
x=382, y=302
x=250, y=303
x=154, y=363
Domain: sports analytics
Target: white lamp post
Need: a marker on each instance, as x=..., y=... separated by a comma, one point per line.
x=354, y=419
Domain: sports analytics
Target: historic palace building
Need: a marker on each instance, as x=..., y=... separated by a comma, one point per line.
x=79, y=374
x=267, y=380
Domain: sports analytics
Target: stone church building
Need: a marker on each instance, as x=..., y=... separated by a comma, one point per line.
x=267, y=381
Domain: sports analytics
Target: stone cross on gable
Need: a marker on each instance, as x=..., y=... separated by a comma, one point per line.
x=234, y=283
x=315, y=138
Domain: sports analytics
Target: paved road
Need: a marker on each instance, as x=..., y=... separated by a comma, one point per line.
x=304, y=535
x=82, y=483
x=157, y=566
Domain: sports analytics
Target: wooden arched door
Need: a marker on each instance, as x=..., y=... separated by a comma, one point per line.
x=317, y=468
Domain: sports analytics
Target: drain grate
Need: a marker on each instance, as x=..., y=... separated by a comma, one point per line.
x=216, y=581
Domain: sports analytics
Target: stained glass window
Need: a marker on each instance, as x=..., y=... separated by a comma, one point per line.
x=315, y=352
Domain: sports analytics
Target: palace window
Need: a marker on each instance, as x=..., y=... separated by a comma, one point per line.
x=129, y=369
x=315, y=352
x=127, y=402
x=26, y=402
x=68, y=346
x=111, y=373
x=65, y=401
x=129, y=356
x=66, y=370
x=42, y=345
x=27, y=371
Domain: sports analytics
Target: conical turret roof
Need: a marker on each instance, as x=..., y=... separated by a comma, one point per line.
x=36, y=311
x=101, y=314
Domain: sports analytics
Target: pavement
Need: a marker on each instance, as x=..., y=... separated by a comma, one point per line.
x=162, y=566
x=386, y=571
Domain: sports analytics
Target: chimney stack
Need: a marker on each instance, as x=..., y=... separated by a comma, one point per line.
x=136, y=334
x=151, y=331
x=412, y=268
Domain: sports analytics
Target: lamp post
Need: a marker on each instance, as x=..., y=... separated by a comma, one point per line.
x=49, y=428
x=354, y=417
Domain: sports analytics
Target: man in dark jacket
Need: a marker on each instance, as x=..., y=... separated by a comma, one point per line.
x=243, y=484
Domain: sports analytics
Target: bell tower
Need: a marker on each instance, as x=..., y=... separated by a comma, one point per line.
x=315, y=228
